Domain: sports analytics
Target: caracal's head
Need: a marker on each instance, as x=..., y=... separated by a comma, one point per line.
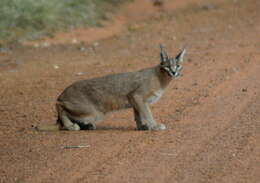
x=171, y=65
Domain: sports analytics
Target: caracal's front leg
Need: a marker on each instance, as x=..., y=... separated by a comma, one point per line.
x=143, y=115
x=138, y=121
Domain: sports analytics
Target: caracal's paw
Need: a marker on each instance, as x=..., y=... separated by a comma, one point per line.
x=158, y=126
x=74, y=127
x=143, y=127
x=89, y=126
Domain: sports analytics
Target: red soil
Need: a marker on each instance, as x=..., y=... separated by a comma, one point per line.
x=212, y=112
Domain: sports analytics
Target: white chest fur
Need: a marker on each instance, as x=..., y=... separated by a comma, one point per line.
x=155, y=97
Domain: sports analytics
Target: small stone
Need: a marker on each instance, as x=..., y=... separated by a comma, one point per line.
x=80, y=73
x=95, y=44
x=82, y=49
x=36, y=45
x=74, y=41
x=208, y=7
x=189, y=60
x=157, y=2
x=134, y=27
x=244, y=89
x=55, y=66
x=45, y=44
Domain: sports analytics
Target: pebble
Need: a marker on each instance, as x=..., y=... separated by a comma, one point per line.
x=55, y=66
x=45, y=44
x=74, y=41
x=80, y=73
x=96, y=44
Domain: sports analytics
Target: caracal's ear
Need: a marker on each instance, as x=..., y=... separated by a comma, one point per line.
x=163, y=55
x=179, y=57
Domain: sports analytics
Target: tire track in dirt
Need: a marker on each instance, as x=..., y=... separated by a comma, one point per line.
x=221, y=155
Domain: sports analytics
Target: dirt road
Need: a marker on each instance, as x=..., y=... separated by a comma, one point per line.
x=212, y=112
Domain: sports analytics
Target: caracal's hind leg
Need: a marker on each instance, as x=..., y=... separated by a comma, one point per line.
x=143, y=115
x=88, y=122
x=65, y=120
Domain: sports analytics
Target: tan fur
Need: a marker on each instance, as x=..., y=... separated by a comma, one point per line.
x=84, y=103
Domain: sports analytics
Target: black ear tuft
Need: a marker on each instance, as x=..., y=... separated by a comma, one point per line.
x=163, y=55
x=179, y=57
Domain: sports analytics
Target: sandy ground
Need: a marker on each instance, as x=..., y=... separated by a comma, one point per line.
x=212, y=112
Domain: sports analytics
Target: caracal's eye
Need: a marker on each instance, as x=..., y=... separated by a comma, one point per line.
x=179, y=67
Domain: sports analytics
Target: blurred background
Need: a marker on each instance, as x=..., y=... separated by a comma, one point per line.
x=29, y=19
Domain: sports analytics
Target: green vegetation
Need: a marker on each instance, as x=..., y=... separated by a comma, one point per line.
x=30, y=19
